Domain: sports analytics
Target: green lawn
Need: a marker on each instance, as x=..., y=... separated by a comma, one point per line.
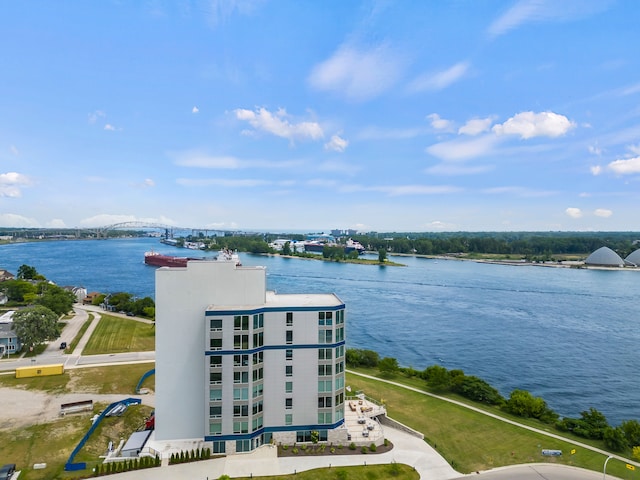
x=370, y=472
x=471, y=441
x=119, y=335
x=74, y=343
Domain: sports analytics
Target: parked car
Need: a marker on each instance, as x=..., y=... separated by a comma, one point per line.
x=63, y=345
x=6, y=472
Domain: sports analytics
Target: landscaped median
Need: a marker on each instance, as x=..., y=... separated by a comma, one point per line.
x=473, y=441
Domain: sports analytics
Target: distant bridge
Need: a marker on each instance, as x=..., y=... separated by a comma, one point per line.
x=168, y=229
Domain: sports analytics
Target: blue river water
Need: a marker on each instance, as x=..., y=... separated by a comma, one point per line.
x=570, y=336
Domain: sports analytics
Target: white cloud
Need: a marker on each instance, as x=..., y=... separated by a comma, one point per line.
x=530, y=11
x=277, y=124
x=197, y=159
x=625, y=167
x=462, y=149
x=376, y=133
x=531, y=124
x=94, y=116
x=402, y=190
x=440, y=123
x=11, y=184
x=13, y=220
x=195, y=109
x=596, y=170
x=635, y=149
x=438, y=225
x=595, y=150
x=358, y=74
x=109, y=127
x=221, y=182
x=439, y=80
x=519, y=191
x=148, y=182
x=340, y=167
x=476, y=126
x=219, y=11
x=602, y=212
x=104, y=219
x=457, y=169
x=337, y=144
x=573, y=212
x=56, y=223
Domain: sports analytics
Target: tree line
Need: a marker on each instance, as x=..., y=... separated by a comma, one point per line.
x=591, y=424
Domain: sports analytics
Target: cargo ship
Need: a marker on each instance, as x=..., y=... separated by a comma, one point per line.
x=156, y=259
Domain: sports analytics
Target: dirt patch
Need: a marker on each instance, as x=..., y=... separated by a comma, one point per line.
x=21, y=408
x=320, y=449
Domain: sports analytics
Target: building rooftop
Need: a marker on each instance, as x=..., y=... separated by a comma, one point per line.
x=274, y=300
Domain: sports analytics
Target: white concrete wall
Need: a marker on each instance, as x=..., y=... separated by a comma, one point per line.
x=182, y=297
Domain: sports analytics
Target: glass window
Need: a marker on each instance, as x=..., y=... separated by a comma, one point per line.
x=241, y=342
x=289, y=337
x=215, y=377
x=241, y=394
x=288, y=370
x=258, y=358
x=240, y=377
x=215, y=428
x=289, y=354
x=258, y=374
x=289, y=319
x=258, y=390
x=288, y=387
x=288, y=419
x=241, y=360
x=215, y=394
x=258, y=321
x=241, y=322
x=240, y=427
x=215, y=344
x=258, y=339
x=288, y=403
x=215, y=360
x=216, y=324
x=240, y=410
x=215, y=411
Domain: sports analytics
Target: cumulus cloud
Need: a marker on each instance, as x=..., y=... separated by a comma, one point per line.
x=440, y=123
x=439, y=80
x=530, y=124
x=195, y=109
x=625, y=167
x=56, y=223
x=573, y=212
x=596, y=170
x=11, y=184
x=476, y=126
x=358, y=73
x=13, y=220
x=278, y=124
x=110, y=127
x=337, y=144
x=602, y=212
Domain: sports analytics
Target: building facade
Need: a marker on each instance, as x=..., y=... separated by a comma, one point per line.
x=240, y=366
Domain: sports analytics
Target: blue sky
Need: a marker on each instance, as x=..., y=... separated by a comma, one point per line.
x=311, y=115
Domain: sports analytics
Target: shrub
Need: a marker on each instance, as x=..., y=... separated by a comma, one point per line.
x=364, y=449
x=333, y=450
x=295, y=451
x=386, y=442
x=352, y=446
x=285, y=447
x=373, y=447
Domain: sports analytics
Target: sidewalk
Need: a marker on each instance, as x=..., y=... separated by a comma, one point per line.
x=264, y=461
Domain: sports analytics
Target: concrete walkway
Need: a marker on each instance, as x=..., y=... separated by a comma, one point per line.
x=264, y=461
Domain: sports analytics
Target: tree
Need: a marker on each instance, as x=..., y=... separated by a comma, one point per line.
x=382, y=255
x=286, y=249
x=523, y=404
x=16, y=290
x=614, y=439
x=388, y=366
x=437, y=377
x=34, y=325
x=631, y=430
x=25, y=272
x=57, y=299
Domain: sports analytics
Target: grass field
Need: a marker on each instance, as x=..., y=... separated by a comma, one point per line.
x=370, y=472
x=74, y=343
x=471, y=441
x=119, y=335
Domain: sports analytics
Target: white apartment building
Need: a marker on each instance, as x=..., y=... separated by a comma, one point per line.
x=239, y=366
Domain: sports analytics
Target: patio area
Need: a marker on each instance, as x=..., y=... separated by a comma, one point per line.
x=360, y=414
